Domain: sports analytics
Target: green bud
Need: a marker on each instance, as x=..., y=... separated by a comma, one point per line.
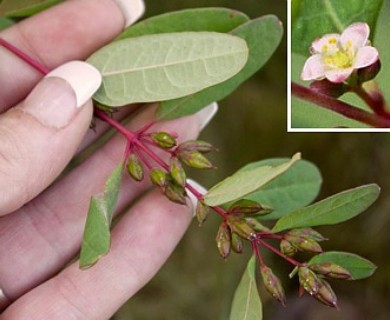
x=135, y=167
x=195, y=159
x=236, y=243
x=164, y=139
x=304, y=244
x=195, y=145
x=177, y=172
x=175, y=193
x=202, y=212
x=308, y=280
x=223, y=240
x=331, y=270
x=158, y=177
x=245, y=206
x=256, y=225
x=241, y=227
x=326, y=295
x=273, y=284
x=307, y=233
x=287, y=248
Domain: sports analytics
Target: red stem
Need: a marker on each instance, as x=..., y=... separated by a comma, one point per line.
x=338, y=106
x=37, y=65
x=256, y=250
x=268, y=246
x=376, y=101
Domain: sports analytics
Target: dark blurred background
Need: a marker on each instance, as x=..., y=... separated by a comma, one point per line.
x=196, y=283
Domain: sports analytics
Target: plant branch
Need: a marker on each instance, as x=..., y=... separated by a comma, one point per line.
x=268, y=246
x=375, y=101
x=338, y=106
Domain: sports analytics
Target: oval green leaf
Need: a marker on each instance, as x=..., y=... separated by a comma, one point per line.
x=316, y=18
x=335, y=209
x=359, y=268
x=245, y=182
x=246, y=302
x=200, y=19
x=24, y=8
x=297, y=187
x=96, y=238
x=263, y=36
x=5, y=23
x=166, y=66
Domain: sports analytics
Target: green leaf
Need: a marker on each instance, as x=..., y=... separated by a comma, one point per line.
x=199, y=19
x=317, y=18
x=244, y=182
x=166, y=66
x=335, y=209
x=5, y=23
x=295, y=8
x=357, y=266
x=24, y=8
x=263, y=36
x=246, y=302
x=297, y=187
x=96, y=238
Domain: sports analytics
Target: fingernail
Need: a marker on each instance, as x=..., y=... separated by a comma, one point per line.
x=206, y=114
x=199, y=188
x=56, y=99
x=132, y=10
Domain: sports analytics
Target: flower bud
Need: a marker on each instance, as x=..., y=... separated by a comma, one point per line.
x=175, y=193
x=287, y=248
x=303, y=244
x=177, y=172
x=256, y=225
x=158, y=177
x=326, y=295
x=202, y=212
x=328, y=88
x=370, y=72
x=135, y=167
x=273, y=284
x=245, y=206
x=307, y=233
x=195, y=159
x=331, y=270
x=163, y=139
x=223, y=240
x=241, y=227
x=308, y=280
x=195, y=145
x=236, y=243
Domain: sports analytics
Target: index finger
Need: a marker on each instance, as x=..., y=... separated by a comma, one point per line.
x=70, y=31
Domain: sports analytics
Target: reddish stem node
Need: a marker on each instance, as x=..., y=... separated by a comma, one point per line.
x=271, y=248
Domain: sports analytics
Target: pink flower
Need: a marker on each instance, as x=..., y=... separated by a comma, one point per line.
x=335, y=56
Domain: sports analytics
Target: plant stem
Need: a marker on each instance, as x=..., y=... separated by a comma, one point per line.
x=268, y=246
x=32, y=62
x=338, y=106
x=376, y=102
x=257, y=252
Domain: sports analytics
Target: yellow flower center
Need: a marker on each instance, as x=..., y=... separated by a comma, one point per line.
x=337, y=57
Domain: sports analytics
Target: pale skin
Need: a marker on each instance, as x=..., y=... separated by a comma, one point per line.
x=40, y=234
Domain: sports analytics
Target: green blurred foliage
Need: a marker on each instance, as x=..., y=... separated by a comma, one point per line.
x=196, y=283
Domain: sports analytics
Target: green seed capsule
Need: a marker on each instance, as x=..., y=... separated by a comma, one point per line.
x=195, y=145
x=309, y=280
x=236, y=243
x=158, y=177
x=331, y=270
x=177, y=172
x=287, y=248
x=273, y=284
x=164, y=139
x=135, y=167
x=326, y=295
x=175, y=193
x=223, y=240
x=241, y=227
x=202, y=212
x=245, y=206
x=195, y=159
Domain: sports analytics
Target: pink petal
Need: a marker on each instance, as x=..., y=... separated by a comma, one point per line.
x=338, y=75
x=366, y=56
x=313, y=68
x=356, y=35
x=318, y=44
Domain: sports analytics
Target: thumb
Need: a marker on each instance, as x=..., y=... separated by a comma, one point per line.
x=40, y=135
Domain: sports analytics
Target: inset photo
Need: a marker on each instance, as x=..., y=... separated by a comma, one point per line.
x=339, y=67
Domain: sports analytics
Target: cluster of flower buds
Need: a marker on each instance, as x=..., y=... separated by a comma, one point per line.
x=311, y=280
x=305, y=239
x=172, y=180
x=240, y=223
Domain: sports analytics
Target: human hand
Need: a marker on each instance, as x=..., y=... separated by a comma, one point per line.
x=41, y=227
